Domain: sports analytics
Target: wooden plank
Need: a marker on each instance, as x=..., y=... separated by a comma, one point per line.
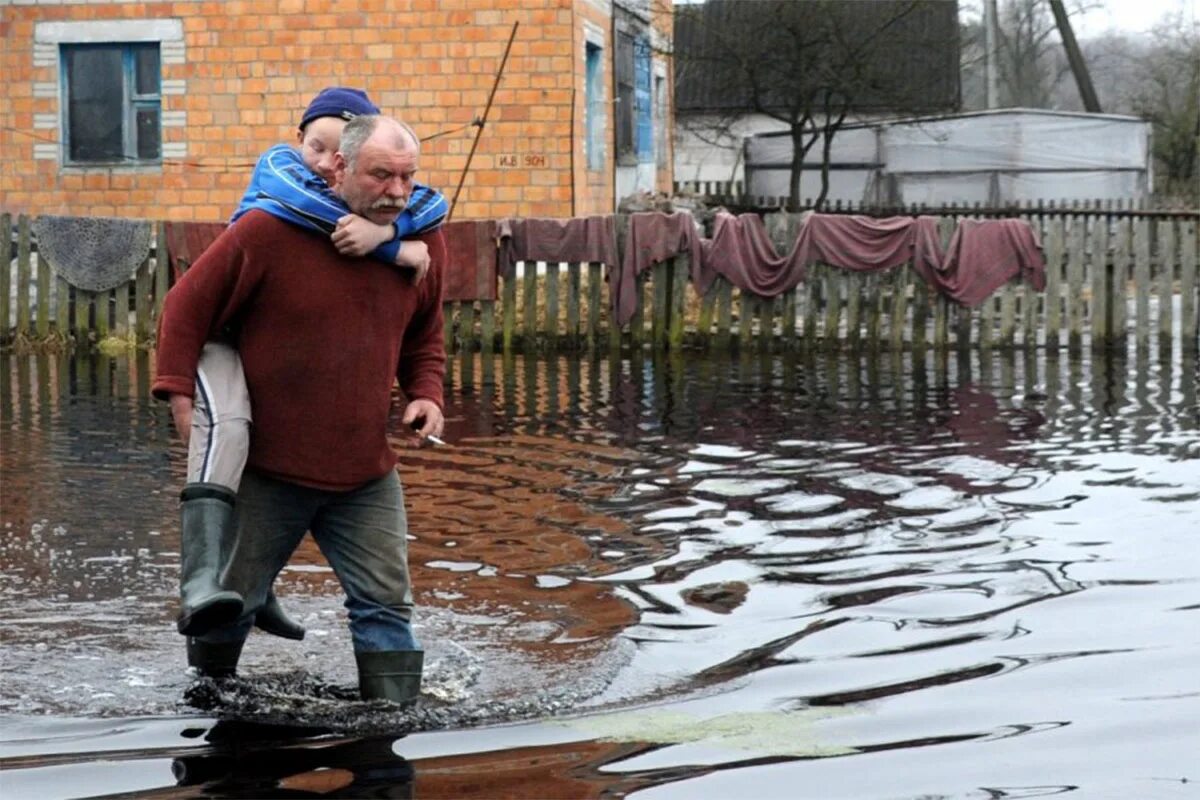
x=593, y=313
x=724, y=291
x=551, y=320
x=1008, y=303
x=1101, y=268
x=42, y=322
x=745, y=320
x=920, y=317
x=1119, y=286
x=448, y=326
x=852, y=289
x=466, y=326
x=508, y=312
x=63, y=306
x=529, y=309
x=1189, y=320
x=162, y=270
x=1166, y=281
x=83, y=315
x=964, y=319
x=874, y=309
x=708, y=305
x=142, y=301
x=574, y=297
x=637, y=325
x=1054, y=279
x=787, y=321
x=833, y=307
x=941, y=324
x=487, y=327
x=120, y=323
x=1030, y=299
x=812, y=282
x=987, y=323
x=102, y=321
x=6, y=276
x=1141, y=281
x=900, y=281
x=660, y=287
x=621, y=223
x=680, y=266
x=24, y=256
x=1074, y=298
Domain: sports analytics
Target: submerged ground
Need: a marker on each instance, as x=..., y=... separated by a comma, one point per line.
x=854, y=576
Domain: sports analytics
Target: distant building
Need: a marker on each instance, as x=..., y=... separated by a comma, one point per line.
x=904, y=54
x=159, y=109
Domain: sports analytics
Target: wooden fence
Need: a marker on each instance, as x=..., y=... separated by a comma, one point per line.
x=1111, y=276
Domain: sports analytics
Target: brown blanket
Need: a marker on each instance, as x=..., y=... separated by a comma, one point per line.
x=470, y=261
x=578, y=240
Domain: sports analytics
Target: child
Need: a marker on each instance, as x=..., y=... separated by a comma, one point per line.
x=292, y=184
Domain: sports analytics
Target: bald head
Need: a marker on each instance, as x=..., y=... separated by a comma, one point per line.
x=375, y=165
x=376, y=128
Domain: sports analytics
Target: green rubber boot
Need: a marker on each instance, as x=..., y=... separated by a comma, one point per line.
x=207, y=510
x=272, y=619
x=214, y=660
x=390, y=675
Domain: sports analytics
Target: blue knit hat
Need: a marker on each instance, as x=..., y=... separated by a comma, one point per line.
x=338, y=101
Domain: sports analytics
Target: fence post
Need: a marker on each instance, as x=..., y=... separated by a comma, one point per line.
x=42, y=323
x=574, y=292
x=1166, y=281
x=1141, y=282
x=680, y=266
x=508, y=311
x=6, y=275
x=1188, y=318
x=24, y=253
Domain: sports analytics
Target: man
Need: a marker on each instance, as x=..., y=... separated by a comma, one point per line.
x=323, y=337
x=292, y=184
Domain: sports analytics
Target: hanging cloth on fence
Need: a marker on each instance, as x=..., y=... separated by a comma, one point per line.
x=470, y=261
x=577, y=240
x=653, y=237
x=741, y=250
x=982, y=256
x=985, y=254
x=187, y=240
x=92, y=253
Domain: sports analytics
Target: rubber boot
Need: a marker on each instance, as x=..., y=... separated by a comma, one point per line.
x=214, y=660
x=390, y=674
x=207, y=515
x=272, y=619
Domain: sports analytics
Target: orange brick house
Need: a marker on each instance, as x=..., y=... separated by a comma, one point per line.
x=159, y=109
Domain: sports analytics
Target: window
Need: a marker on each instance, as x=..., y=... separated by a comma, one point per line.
x=594, y=107
x=625, y=108
x=660, y=120
x=112, y=112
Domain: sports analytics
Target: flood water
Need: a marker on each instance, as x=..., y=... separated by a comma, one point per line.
x=851, y=576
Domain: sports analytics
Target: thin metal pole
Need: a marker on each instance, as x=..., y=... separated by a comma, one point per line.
x=482, y=122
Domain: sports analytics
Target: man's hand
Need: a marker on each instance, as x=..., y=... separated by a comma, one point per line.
x=415, y=254
x=356, y=236
x=181, y=412
x=424, y=417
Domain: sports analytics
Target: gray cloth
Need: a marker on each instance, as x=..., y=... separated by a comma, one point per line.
x=93, y=253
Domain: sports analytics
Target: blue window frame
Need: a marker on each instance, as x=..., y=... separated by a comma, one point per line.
x=112, y=109
x=594, y=108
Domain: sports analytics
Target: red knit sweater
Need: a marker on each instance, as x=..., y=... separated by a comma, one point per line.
x=323, y=339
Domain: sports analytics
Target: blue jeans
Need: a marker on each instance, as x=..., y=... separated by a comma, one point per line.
x=361, y=533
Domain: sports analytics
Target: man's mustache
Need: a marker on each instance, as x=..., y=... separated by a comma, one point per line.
x=389, y=204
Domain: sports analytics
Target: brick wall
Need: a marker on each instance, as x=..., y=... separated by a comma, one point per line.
x=241, y=71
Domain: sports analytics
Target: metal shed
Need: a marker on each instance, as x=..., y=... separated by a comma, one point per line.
x=996, y=157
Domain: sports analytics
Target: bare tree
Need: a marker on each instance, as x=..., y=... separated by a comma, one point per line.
x=810, y=64
x=1157, y=77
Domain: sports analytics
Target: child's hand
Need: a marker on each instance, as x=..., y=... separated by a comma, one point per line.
x=414, y=254
x=357, y=236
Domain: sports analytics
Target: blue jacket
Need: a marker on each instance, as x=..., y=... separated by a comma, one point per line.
x=284, y=187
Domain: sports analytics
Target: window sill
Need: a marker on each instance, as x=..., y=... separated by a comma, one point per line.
x=145, y=168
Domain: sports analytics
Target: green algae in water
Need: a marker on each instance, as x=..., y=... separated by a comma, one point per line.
x=775, y=733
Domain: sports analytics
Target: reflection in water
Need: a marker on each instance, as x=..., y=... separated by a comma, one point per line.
x=988, y=555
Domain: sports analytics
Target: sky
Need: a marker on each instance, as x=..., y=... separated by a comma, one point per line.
x=1130, y=15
